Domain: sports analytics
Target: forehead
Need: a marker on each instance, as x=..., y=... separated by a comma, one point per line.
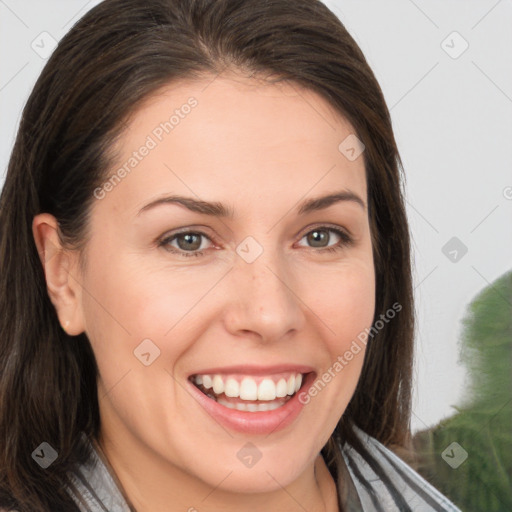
x=236, y=137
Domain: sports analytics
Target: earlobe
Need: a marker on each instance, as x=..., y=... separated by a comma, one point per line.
x=60, y=267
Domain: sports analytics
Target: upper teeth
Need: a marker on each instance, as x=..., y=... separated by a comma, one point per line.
x=248, y=388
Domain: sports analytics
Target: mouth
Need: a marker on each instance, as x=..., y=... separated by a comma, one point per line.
x=252, y=400
x=250, y=393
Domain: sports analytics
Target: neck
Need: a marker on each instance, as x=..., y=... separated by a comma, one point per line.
x=150, y=484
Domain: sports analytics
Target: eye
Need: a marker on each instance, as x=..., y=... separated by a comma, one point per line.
x=321, y=236
x=188, y=243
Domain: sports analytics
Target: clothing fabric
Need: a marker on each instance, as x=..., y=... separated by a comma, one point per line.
x=379, y=481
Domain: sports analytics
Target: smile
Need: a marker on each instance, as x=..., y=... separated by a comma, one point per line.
x=252, y=400
x=248, y=393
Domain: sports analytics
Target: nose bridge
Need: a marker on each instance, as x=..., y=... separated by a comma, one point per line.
x=265, y=301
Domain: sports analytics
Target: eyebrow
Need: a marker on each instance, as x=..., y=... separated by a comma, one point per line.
x=217, y=209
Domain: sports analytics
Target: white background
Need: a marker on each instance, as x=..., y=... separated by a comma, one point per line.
x=453, y=122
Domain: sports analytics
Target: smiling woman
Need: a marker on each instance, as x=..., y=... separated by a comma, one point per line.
x=227, y=323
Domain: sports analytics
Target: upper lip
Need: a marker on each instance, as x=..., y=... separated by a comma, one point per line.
x=255, y=370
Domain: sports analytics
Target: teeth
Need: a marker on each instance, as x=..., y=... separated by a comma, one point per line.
x=298, y=382
x=248, y=389
x=291, y=385
x=207, y=381
x=267, y=390
x=232, y=388
x=250, y=407
x=218, y=384
x=281, y=388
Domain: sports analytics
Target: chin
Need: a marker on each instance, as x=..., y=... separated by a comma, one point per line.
x=268, y=473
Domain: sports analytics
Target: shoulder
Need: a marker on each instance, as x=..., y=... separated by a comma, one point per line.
x=93, y=486
x=382, y=477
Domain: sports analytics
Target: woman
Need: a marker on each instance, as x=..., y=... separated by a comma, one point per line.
x=271, y=370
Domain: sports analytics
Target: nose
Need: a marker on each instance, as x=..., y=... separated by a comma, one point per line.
x=263, y=299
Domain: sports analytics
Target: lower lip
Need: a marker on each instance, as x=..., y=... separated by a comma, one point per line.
x=263, y=422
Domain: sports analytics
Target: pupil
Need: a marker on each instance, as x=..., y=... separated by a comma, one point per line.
x=189, y=239
x=318, y=236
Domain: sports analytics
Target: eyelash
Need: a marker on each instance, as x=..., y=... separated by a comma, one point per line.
x=345, y=240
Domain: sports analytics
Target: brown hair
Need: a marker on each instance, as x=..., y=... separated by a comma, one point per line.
x=117, y=55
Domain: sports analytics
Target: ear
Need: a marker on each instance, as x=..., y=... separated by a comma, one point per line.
x=61, y=271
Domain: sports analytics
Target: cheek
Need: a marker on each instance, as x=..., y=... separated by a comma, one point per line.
x=162, y=303
x=344, y=300
x=133, y=302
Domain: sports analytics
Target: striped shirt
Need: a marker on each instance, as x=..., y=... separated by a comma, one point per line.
x=378, y=482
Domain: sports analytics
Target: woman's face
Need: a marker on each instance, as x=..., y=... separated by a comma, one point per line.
x=245, y=282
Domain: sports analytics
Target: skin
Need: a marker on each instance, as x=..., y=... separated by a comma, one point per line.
x=259, y=149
